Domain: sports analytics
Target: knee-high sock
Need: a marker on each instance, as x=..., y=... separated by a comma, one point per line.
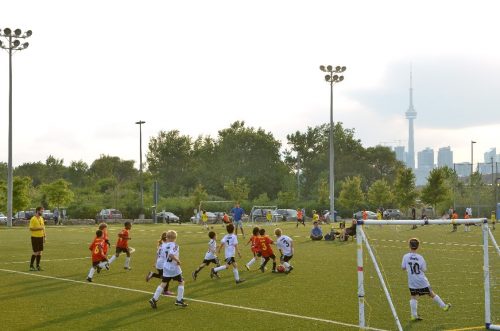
x=33, y=257
x=180, y=292
x=236, y=274
x=252, y=261
x=287, y=265
x=438, y=300
x=413, y=307
x=222, y=267
x=38, y=258
x=127, y=261
x=158, y=292
x=102, y=265
x=91, y=272
x=112, y=259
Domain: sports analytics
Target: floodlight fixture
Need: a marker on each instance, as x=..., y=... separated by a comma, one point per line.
x=17, y=32
x=329, y=68
x=25, y=45
x=322, y=68
x=7, y=31
x=16, y=43
x=28, y=33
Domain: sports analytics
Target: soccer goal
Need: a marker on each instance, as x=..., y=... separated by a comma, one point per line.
x=490, y=280
x=260, y=214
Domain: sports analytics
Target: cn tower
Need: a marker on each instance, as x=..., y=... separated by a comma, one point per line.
x=411, y=114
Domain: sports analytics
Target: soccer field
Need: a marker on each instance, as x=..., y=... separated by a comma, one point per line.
x=320, y=293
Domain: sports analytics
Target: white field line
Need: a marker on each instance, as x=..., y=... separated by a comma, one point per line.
x=53, y=260
x=194, y=300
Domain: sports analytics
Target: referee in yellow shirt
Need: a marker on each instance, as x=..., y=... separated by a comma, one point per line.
x=37, y=229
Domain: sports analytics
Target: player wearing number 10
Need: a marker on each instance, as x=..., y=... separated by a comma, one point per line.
x=415, y=266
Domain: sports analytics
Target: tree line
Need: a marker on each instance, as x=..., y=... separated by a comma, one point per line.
x=243, y=164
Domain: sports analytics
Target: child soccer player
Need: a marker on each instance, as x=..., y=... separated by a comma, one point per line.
x=300, y=217
x=285, y=246
x=204, y=219
x=122, y=245
x=255, y=248
x=104, y=228
x=99, y=259
x=230, y=244
x=160, y=260
x=266, y=250
x=171, y=271
x=210, y=255
x=415, y=266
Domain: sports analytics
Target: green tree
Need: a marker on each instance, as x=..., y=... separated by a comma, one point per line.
x=379, y=194
x=199, y=194
x=261, y=200
x=351, y=196
x=405, y=192
x=436, y=190
x=21, y=193
x=238, y=190
x=323, y=192
x=58, y=193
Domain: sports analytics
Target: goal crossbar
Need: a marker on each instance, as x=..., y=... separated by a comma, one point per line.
x=361, y=237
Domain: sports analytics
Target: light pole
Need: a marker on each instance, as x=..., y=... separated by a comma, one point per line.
x=298, y=175
x=472, y=142
x=140, y=168
x=332, y=77
x=13, y=44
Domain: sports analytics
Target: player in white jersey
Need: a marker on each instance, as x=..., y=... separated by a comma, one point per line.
x=285, y=245
x=210, y=255
x=171, y=271
x=160, y=260
x=415, y=266
x=230, y=244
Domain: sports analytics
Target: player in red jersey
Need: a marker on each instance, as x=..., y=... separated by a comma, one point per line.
x=266, y=250
x=122, y=245
x=104, y=228
x=255, y=247
x=99, y=259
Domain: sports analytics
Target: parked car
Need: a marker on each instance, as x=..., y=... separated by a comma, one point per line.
x=287, y=214
x=167, y=216
x=3, y=219
x=106, y=214
x=212, y=218
x=23, y=215
x=392, y=214
x=259, y=214
x=48, y=215
x=359, y=215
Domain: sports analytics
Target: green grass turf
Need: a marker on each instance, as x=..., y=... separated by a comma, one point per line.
x=323, y=284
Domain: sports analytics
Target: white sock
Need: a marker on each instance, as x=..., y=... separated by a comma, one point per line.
x=252, y=261
x=127, y=262
x=180, y=292
x=222, y=267
x=112, y=259
x=262, y=260
x=91, y=272
x=236, y=274
x=413, y=306
x=158, y=292
x=438, y=300
x=102, y=265
x=287, y=265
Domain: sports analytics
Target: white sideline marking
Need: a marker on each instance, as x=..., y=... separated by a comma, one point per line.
x=53, y=260
x=195, y=300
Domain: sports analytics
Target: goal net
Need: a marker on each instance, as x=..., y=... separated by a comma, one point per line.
x=463, y=269
x=264, y=214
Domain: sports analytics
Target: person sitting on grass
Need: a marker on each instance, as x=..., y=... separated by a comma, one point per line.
x=316, y=232
x=348, y=232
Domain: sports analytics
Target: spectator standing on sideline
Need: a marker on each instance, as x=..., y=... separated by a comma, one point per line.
x=238, y=213
x=316, y=232
x=56, y=216
x=38, y=236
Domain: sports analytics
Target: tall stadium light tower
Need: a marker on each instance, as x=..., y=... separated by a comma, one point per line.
x=140, y=166
x=12, y=45
x=472, y=142
x=332, y=77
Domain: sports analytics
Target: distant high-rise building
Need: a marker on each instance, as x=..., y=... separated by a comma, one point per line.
x=445, y=157
x=462, y=169
x=491, y=154
x=400, y=153
x=425, y=165
x=411, y=114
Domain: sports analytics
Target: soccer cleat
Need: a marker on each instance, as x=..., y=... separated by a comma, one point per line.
x=289, y=270
x=248, y=268
x=194, y=274
x=39, y=268
x=152, y=302
x=127, y=268
x=106, y=266
x=98, y=269
x=168, y=293
x=274, y=271
x=239, y=281
x=212, y=273
x=32, y=268
x=89, y=279
x=149, y=276
x=262, y=269
x=447, y=307
x=416, y=318
x=180, y=303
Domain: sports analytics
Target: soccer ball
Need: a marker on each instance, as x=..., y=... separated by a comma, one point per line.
x=281, y=268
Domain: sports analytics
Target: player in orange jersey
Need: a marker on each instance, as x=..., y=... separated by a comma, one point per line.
x=99, y=259
x=266, y=250
x=122, y=245
x=104, y=228
x=255, y=247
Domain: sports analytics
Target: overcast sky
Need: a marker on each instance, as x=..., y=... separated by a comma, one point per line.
x=94, y=68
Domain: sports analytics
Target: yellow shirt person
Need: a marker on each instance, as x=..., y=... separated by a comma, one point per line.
x=37, y=226
x=37, y=229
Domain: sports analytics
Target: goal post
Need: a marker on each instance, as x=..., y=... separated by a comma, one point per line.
x=260, y=213
x=362, y=238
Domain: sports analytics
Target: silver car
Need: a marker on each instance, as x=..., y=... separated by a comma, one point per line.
x=167, y=216
x=3, y=219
